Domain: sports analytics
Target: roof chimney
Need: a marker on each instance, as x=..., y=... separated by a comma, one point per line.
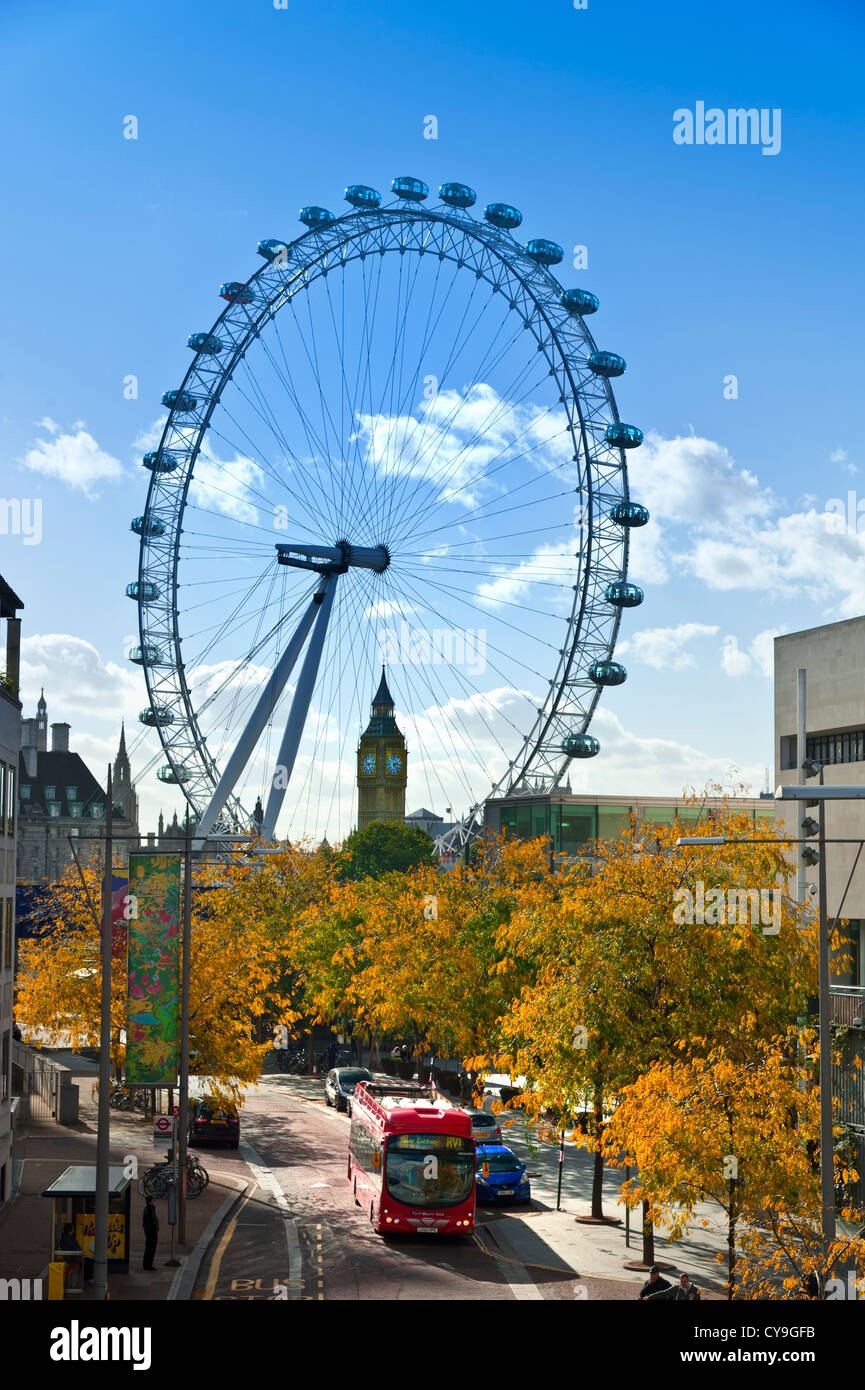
x=59, y=738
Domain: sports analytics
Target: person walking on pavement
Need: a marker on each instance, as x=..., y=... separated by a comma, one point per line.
x=682, y=1292
x=654, y=1284
x=150, y=1222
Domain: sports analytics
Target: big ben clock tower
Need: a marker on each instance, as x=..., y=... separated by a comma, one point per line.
x=381, y=764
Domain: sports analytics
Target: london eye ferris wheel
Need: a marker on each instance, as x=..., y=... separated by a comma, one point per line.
x=398, y=442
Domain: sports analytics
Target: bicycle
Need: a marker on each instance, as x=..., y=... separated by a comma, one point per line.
x=157, y=1180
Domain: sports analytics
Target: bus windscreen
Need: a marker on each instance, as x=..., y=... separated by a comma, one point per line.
x=429, y=1170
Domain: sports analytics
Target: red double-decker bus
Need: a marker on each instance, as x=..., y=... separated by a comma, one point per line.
x=411, y=1160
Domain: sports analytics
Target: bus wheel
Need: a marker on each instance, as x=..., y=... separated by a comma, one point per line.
x=356, y=1202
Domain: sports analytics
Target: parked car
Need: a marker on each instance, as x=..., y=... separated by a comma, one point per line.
x=340, y=1083
x=215, y=1121
x=501, y=1175
x=485, y=1127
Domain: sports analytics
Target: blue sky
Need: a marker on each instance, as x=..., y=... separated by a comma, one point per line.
x=708, y=261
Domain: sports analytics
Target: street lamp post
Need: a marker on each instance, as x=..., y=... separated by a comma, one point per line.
x=103, y=1125
x=181, y=1134
x=802, y=793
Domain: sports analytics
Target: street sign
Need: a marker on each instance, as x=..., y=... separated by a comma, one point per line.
x=175, y=1111
x=163, y=1131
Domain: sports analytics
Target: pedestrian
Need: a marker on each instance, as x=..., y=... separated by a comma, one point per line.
x=654, y=1284
x=150, y=1222
x=67, y=1239
x=682, y=1292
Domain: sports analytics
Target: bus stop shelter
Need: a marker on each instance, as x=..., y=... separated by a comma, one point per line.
x=73, y=1200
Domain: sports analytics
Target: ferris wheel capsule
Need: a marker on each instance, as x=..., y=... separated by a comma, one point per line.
x=624, y=595
x=545, y=252
x=360, y=196
x=272, y=249
x=143, y=591
x=580, y=302
x=316, y=217
x=159, y=462
x=580, y=746
x=606, y=364
x=180, y=401
x=146, y=656
x=147, y=526
x=503, y=215
x=234, y=292
x=412, y=190
x=607, y=673
x=623, y=436
x=156, y=716
x=206, y=343
x=458, y=195
x=630, y=514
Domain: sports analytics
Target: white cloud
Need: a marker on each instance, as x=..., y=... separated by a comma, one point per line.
x=664, y=647
x=694, y=480
x=75, y=459
x=455, y=436
x=799, y=554
x=734, y=661
x=759, y=658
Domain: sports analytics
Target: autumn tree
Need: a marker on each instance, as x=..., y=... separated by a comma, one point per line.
x=637, y=964
x=385, y=847
x=237, y=963
x=734, y=1130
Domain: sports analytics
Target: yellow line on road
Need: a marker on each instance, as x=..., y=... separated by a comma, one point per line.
x=216, y=1262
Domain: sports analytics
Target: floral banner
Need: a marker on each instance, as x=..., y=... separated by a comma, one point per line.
x=153, y=994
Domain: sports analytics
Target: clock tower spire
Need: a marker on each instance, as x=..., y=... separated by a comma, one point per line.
x=381, y=763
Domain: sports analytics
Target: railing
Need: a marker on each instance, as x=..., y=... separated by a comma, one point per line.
x=848, y=1004
x=848, y=1074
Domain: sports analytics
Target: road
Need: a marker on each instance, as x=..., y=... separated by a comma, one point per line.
x=298, y=1235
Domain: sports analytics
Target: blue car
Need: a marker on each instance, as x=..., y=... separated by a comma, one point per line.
x=501, y=1176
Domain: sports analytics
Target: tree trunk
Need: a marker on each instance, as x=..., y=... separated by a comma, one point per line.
x=648, y=1237
x=598, y=1173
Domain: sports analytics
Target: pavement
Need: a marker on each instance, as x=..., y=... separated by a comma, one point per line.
x=25, y=1223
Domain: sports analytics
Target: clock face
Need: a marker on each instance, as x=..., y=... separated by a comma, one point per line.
x=368, y=764
x=394, y=764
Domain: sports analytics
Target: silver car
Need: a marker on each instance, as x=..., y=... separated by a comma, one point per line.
x=340, y=1083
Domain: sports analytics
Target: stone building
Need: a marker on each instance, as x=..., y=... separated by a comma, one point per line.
x=61, y=802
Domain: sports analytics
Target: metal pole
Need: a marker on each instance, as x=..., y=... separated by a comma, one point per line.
x=627, y=1211
x=801, y=754
x=180, y=1135
x=561, y=1170
x=103, y=1124
x=827, y=1147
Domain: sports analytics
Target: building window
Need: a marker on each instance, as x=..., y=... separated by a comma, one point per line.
x=836, y=748
x=97, y=811
x=71, y=793
x=3, y=789
x=578, y=824
x=7, y=935
x=10, y=801
x=25, y=791
x=50, y=793
x=659, y=815
x=76, y=809
x=4, y=1063
x=54, y=808
x=612, y=820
